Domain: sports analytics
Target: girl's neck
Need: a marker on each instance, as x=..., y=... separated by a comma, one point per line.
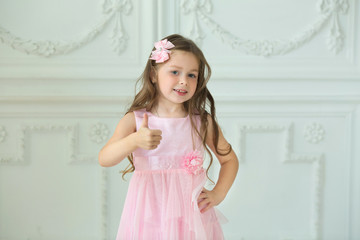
x=169, y=112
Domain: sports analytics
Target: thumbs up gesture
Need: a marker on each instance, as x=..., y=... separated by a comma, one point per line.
x=147, y=138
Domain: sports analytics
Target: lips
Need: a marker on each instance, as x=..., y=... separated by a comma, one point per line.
x=180, y=90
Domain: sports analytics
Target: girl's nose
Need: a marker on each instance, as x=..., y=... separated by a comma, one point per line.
x=183, y=81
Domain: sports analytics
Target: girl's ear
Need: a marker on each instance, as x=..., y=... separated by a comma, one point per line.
x=153, y=75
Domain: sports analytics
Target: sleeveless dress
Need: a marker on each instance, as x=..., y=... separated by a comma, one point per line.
x=161, y=202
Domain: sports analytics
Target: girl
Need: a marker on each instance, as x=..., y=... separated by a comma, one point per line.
x=164, y=134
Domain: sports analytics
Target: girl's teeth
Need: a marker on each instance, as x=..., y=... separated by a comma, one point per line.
x=180, y=91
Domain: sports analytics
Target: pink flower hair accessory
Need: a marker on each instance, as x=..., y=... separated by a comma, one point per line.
x=193, y=162
x=161, y=53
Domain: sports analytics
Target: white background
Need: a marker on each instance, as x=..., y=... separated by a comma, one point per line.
x=286, y=80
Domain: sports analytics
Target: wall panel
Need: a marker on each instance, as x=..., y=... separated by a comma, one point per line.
x=286, y=80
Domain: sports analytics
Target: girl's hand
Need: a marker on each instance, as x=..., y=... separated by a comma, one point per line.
x=147, y=138
x=209, y=199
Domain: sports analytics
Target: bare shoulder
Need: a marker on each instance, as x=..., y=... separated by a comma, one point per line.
x=222, y=143
x=210, y=127
x=129, y=119
x=125, y=127
x=126, y=124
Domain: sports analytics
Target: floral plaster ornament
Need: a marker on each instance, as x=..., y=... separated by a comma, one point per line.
x=314, y=133
x=99, y=133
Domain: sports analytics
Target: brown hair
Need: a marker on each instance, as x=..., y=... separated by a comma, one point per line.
x=202, y=99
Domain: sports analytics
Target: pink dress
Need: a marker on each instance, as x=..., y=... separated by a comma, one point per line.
x=161, y=203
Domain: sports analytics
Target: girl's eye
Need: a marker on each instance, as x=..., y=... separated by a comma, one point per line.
x=192, y=75
x=175, y=72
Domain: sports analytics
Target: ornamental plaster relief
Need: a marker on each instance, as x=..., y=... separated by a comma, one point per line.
x=200, y=10
x=317, y=162
x=98, y=133
x=110, y=9
x=314, y=133
x=329, y=10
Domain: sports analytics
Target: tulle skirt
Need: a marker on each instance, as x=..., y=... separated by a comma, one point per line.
x=162, y=205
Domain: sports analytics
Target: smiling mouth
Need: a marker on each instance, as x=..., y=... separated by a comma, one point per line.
x=180, y=91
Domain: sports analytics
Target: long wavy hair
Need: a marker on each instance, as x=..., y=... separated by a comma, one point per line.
x=197, y=105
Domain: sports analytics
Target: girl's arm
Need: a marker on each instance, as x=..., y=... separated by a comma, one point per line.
x=121, y=144
x=126, y=140
x=229, y=168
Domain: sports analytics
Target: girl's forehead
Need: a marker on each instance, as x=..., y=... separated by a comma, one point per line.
x=183, y=58
x=182, y=53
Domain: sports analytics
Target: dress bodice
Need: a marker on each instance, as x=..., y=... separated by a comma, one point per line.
x=177, y=141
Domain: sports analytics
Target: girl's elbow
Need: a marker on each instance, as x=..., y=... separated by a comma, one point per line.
x=107, y=161
x=101, y=160
x=235, y=161
x=102, y=164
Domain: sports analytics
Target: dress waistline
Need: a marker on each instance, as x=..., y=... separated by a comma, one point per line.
x=158, y=162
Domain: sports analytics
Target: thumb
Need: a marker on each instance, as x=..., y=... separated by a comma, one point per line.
x=145, y=121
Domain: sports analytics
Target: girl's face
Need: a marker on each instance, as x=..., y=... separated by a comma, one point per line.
x=177, y=77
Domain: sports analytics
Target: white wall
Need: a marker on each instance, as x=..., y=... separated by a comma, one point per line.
x=286, y=80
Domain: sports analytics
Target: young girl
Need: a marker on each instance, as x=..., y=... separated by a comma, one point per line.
x=164, y=134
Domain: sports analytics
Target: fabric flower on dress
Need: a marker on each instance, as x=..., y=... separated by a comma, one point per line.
x=161, y=54
x=193, y=162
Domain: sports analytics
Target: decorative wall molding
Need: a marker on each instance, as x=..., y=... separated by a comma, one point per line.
x=2, y=134
x=80, y=109
x=330, y=98
x=317, y=161
x=99, y=132
x=71, y=130
x=314, y=133
x=72, y=135
x=104, y=203
x=119, y=36
x=47, y=48
x=65, y=99
x=328, y=10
